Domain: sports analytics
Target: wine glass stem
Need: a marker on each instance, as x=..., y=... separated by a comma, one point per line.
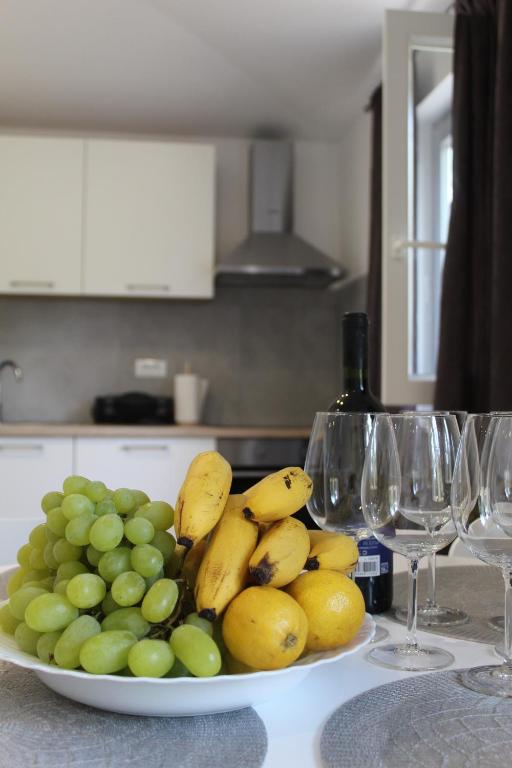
x=412, y=606
x=507, y=575
x=431, y=599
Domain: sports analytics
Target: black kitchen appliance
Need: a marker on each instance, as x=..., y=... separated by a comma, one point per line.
x=133, y=408
x=252, y=459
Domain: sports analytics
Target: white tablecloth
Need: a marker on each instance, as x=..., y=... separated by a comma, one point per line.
x=294, y=721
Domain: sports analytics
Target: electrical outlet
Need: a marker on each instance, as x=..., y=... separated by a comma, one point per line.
x=150, y=368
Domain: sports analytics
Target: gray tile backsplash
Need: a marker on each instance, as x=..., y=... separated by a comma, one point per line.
x=272, y=355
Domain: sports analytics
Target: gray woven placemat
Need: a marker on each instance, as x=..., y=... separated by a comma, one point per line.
x=40, y=728
x=429, y=721
x=478, y=590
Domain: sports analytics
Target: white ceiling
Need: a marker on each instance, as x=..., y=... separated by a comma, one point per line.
x=303, y=68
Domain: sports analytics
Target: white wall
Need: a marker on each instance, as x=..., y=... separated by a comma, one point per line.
x=354, y=168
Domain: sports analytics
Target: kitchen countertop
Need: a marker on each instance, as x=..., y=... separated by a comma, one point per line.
x=64, y=429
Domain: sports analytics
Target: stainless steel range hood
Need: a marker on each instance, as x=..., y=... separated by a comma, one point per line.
x=273, y=254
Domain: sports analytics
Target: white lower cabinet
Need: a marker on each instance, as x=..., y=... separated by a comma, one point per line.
x=29, y=467
x=157, y=467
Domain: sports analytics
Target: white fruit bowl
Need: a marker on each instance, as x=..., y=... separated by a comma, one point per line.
x=177, y=697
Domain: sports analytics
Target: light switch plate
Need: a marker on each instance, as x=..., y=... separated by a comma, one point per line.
x=150, y=368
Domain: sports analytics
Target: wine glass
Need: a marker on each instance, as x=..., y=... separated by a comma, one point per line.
x=405, y=496
x=482, y=510
x=431, y=614
x=334, y=461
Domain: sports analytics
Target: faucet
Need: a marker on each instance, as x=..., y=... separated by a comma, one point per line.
x=18, y=374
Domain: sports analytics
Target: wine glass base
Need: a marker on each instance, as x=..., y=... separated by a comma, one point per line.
x=493, y=681
x=380, y=634
x=405, y=659
x=497, y=622
x=434, y=616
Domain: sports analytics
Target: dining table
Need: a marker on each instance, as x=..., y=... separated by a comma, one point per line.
x=294, y=721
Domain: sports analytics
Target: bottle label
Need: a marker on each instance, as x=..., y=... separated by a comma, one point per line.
x=374, y=559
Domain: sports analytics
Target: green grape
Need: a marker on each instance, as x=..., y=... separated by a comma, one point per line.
x=57, y=521
x=128, y=588
x=178, y=669
x=160, y=600
x=107, y=532
x=70, y=569
x=109, y=605
x=115, y=562
x=21, y=599
x=74, y=484
x=50, y=612
x=196, y=621
x=138, y=530
x=26, y=638
x=37, y=536
x=47, y=583
x=95, y=490
x=146, y=560
x=51, y=536
x=67, y=648
x=49, y=560
x=130, y=619
x=197, y=650
x=93, y=555
x=124, y=500
x=140, y=498
x=150, y=658
x=34, y=575
x=107, y=652
x=165, y=542
x=61, y=587
x=51, y=500
x=77, y=530
x=23, y=555
x=46, y=645
x=15, y=581
x=64, y=552
x=151, y=579
x=159, y=513
x=7, y=621
x=36, y=560
x=77, y=504
x=109, y=494
x=106, y=507
x=86, y=590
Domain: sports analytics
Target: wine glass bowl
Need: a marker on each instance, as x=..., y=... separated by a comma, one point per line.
x=334, y=462
x=405, y=496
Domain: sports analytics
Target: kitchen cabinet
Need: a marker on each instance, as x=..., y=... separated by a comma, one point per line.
x=156, y=466
x=149, y=219
x=29, y=467
x=40, y=214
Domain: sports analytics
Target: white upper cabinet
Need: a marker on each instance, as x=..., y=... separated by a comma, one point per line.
x=40, y=214
x=149, y=219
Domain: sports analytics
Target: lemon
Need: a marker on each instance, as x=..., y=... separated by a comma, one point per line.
x=265, y=628
x=334, y=607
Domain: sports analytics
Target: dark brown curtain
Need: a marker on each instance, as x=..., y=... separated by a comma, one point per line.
x=374, y=301
x=475, y=353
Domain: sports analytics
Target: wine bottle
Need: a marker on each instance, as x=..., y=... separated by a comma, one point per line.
x=374, y=573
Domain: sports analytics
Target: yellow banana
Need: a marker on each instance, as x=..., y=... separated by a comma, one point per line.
x=315, y=536
x=224, y=568
x=192, y=562
x=202, y=497
x=278, y=495
x=280, y=556
x=335, y=552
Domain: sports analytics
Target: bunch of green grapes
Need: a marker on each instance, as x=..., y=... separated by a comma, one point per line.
x=96, y=588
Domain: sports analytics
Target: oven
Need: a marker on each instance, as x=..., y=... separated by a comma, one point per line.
x=253, y=458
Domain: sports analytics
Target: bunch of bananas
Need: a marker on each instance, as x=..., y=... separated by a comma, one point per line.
x=232, y=541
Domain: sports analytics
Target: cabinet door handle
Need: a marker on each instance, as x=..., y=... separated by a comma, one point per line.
x=32, y=283
x=147, y=287
x=22, y=447
x=144, y=447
